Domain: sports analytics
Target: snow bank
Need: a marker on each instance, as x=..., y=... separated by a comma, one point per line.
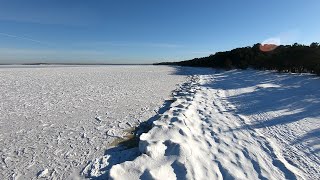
x=233, y=125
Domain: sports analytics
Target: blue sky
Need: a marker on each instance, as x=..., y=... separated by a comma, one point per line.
x=146, y=31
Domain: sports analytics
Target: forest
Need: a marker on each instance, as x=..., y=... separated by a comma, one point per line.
x=296, y=58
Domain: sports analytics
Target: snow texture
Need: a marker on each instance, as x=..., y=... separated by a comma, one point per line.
x=240, y=124
x=55, y=119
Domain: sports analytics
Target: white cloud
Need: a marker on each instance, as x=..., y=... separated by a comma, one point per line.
x=287, y=37
x=23, y=38
x=273, y=40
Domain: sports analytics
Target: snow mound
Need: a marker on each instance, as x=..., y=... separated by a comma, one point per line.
x=208, y=132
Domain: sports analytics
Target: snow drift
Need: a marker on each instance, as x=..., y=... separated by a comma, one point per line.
x=233, y=125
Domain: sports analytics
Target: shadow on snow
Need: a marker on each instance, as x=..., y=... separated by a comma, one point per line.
x=294, y=93
x=295, y=97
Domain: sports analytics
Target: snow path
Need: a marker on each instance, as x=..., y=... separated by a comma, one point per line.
x=204, y=135
x=55, y=119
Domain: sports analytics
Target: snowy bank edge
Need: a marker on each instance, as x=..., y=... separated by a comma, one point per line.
x=128, y=148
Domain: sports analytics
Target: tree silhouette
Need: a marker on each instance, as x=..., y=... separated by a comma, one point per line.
x=296, y=58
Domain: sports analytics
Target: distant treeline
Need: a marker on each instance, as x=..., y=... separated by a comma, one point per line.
x=296, y=58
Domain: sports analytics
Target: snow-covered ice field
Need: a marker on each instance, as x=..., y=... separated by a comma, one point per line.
x=55, y=119
x=233, y=125
x=58, y=122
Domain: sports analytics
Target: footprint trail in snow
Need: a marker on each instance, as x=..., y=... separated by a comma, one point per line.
x=199, y=138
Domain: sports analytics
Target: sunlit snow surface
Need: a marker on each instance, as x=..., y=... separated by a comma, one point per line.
x=239, y=124
x=53, y=120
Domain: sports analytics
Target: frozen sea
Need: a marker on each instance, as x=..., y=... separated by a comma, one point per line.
x=55, y=119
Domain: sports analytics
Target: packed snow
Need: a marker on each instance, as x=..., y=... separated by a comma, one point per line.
x=55, y=119
x=239, y=124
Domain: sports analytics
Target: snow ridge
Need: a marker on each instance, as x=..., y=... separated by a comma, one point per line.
x=199, y=138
